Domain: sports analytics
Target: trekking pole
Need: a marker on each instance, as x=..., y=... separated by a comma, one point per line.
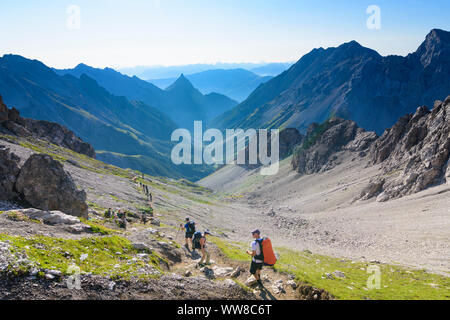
x=178, y=231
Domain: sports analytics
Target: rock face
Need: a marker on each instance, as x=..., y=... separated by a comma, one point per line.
x=59, y=135
x=413, y=154
x=417, y=148
x=52, y=132
x=9, y=169
x=3, y=111
x=45, y=185
x=324, y=140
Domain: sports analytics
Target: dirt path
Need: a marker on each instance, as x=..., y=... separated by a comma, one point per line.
x=317, y=213
x=276, y=286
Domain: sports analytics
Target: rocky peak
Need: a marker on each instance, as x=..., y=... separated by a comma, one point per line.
x=3, y=111
x=12, y=123
x=9, y=169
x=324, y=140
x=414, y=153
x=182, y=83
x=435, y=46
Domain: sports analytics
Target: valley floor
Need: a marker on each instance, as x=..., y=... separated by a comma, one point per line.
x=318, y=213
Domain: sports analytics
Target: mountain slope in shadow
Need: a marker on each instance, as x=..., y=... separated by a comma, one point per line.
x=352, y=82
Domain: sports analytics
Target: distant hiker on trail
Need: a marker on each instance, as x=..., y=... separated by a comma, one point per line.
x=258, y=259
x=123, y=221
x=200, y=243
x=189, y=226
x=108, y=213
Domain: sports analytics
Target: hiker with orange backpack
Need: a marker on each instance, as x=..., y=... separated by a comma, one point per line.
x=262, y=254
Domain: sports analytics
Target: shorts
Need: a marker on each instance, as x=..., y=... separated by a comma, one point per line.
x=189, y=235
x=255, y=267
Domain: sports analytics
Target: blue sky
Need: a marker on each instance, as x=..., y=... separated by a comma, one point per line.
x=174, y=32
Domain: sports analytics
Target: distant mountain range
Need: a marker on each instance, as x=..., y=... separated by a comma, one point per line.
x=234, y=83
x=130, y=133
x=129, y=121
x=352, y=82
x=163, y=72
x=181, y=102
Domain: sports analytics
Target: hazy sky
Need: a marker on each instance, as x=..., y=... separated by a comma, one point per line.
x=174, y=32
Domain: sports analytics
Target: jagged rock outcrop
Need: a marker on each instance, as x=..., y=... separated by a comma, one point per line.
x=9, y=169
x=3, y=111
x=52, y=132
x=324, y=140
x=414, y=153
x=45, y=185
x=59, y=135
x=351, y=82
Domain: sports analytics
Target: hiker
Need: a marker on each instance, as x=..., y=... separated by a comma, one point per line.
x=199, y=242
x=189, y=226
x=257, y=257
x=123, y=222
x=144, y=217
x=108, y=213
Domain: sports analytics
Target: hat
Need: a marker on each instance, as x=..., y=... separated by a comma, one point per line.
x=207, y=231
x=256, y=231
x=187, y=219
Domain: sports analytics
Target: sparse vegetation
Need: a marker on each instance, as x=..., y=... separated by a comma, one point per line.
x=98, y=228
x=396, y=282
x=109, y=256
x=315, y=135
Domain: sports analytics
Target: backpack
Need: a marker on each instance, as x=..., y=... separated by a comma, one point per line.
x=267, y=255
x=196, y=240
x=191, y=227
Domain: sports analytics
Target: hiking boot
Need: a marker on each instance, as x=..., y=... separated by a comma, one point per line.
x=200, y=265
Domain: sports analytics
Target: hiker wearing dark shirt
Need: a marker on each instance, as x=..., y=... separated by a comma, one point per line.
x=124, y=221
x=199, y=243
x=189, y=226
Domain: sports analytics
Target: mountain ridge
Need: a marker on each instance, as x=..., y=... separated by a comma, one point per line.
x=112, y=124
x=181, y=102
x=349, y=81
x=237, y=84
